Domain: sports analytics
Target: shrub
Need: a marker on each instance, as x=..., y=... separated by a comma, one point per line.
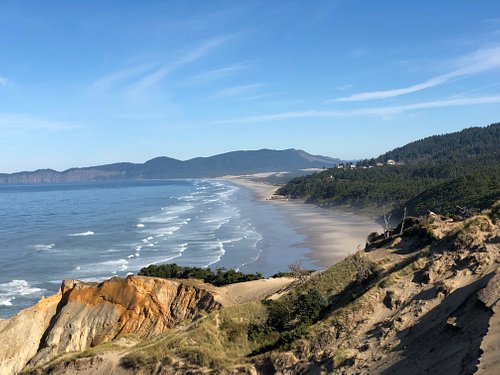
x=218, y=278
x=364, y=268
x=287, y=320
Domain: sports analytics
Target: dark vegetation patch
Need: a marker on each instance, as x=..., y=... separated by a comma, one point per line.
x=219, y=277
x=289, y=318
x=446, y=174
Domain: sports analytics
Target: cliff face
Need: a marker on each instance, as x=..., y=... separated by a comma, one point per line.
x=83, y=315
x=20, y=335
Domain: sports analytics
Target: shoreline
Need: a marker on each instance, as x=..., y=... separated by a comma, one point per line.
x=331, y=234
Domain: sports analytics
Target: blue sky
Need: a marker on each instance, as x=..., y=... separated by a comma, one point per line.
x=93, y=82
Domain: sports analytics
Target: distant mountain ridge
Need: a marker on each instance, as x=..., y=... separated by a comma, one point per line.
x=235, y=162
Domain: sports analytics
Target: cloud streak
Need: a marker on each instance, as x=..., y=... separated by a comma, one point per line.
x=471, y=64
x=236, y=91
x=14, y=122
x=142, y=77
x=215, y=74
x=377, y=111
x=108, y=81
x=189, y=57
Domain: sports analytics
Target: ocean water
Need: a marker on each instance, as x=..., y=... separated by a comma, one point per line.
x=94, y=231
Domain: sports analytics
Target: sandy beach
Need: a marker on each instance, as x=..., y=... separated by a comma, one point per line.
x=331, y=234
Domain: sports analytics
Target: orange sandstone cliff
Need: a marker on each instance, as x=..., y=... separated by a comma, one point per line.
x=83, y=315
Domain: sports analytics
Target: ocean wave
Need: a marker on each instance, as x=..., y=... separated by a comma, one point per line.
x=160, y=219
x=231, y=240
x=187, y=198
x=20, y=287
x=6, y=301
x=228, y=191
x=177, y=209
x=83, y=234
x=42, y=247
x=249, y=262
x=109, y=266
x=119, y=264
x=183, y=247
x=95, y=279
x=219, y=254
x=9, y=291
x=140, y=225
x=210, y=200
x=162, y=232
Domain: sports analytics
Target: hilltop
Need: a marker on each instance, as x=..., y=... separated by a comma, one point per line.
x=419, y=299
x=447, y=174
x=231, y=163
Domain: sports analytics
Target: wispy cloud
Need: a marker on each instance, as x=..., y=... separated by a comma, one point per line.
x=120, y=76
x=188, y=57
x=345, y=87
x=3, y=81
x=471, y=64
x=139, y=78
x=215, y=74
x=236, y=91
x=13, y=122
x=491, y=20
x=377, y=111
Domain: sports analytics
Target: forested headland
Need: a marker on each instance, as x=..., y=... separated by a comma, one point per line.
x=451, y=173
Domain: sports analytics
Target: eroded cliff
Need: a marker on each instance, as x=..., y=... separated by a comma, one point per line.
x=84, y=315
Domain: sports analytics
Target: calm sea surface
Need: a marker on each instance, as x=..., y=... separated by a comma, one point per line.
x=98, y=230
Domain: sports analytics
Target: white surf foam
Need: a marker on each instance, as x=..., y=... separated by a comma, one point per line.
x=160, y=219
x=140, y=225
x=178, y=209
x=4, y=301
x=9, y=291
x=218, y=253
x=83, y=234
x=42, y=247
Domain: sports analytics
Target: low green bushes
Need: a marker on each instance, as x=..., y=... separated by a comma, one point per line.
x=218, y=278
x=287, y=321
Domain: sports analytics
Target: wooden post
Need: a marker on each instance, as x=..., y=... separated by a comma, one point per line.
x=403, y=222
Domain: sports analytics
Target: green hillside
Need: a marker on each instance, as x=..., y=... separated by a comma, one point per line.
x=437, y=173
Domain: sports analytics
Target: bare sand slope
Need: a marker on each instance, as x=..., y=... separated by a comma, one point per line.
x=251, y=290
x=247, y=291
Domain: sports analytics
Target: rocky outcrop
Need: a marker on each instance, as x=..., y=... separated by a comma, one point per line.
x=84, y=315
x=20, y=335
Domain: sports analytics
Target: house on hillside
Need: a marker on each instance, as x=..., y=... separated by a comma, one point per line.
x=390, y=162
